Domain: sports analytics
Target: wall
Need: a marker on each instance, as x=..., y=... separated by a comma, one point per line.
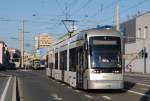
x=131, y=48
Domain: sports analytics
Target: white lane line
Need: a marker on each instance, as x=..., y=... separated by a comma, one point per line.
x=14, y=93
x=20, y=90
x=55, y=97
x=138, y=93
x=69, y=87
x=146, y=80
x=2, y=74
x=52, y=80
x=57, y=82
x=143, y=84
x=77, y=91
x=62, y=84
x=88, y=96
x=131, y=78
x=146, y=89
x=107, y=97
x=5, y=90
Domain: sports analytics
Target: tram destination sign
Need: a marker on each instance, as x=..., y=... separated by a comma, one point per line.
x=104, y=42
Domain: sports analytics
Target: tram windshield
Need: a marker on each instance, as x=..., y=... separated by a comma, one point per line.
x=105, y=52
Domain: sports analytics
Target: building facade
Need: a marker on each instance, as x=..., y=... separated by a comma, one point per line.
x=27, y=59
x=4, y=55
x=15, y=57
x=137, y=43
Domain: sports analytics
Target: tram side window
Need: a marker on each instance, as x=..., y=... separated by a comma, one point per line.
x=56, y=60
x=80, y=57
x=63, y=60
x=50, y=61
x=72, y=59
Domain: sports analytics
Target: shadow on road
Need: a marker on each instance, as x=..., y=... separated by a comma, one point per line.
x=127, y=86
x=146, y=97
x=100, y=91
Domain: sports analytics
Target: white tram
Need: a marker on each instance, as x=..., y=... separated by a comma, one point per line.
x=90, y=59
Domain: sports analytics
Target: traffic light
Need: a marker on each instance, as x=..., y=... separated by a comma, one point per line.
x=143, y=53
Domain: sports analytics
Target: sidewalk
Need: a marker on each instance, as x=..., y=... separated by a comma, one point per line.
x=137, y=74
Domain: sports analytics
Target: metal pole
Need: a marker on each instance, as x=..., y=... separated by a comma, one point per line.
x=144, y=39
x=117, y=17
x=144, y=59
x=22, y=45
x=118, y=29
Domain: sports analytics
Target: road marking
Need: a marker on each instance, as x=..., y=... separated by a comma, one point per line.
x=146, y=80
x=88, y=96
x=131, y=78
x=143, y=84
x=146, y=89
x=69, y=87
x=77, y=91
x=14, y=90
x=62, y=84
x=138, y=93
x=26, y=70
x=5, y=90
x=20, y=90
x=55, y=97
x=57, y=82
x=2, y=74
x=107, y=97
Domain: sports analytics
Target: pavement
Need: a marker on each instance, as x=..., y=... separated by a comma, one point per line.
x=7, y=88
x=137, y=74
x=36, y=86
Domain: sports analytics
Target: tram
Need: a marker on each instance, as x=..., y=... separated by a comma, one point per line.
x=90, y=59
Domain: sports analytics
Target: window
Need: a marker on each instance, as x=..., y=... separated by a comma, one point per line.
x=80, y=57
x=63, y=60
x=72, y=59
x=56, y=60
x=139, y=33
x=145, y=32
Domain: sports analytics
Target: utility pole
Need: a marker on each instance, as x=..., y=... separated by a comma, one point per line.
x=144, y=48
x=117, y=17
x=118, y=29
x=22, y=45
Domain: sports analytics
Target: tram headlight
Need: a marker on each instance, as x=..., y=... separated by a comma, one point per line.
x=96, y=71
x=116, y=71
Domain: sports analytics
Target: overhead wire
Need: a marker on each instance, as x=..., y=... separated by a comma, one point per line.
x=60, y=7
x=125, y=11
x=82, y=7
x=105, y=7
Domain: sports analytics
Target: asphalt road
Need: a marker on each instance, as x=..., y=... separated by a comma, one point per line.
x=138, y=79
x=36, y=86
x=6, y=87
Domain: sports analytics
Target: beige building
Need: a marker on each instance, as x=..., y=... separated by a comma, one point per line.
x=137, y=47
x=27, y=59
x=43, y=40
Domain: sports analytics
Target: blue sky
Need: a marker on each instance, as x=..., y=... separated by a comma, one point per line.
x=44, y=16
